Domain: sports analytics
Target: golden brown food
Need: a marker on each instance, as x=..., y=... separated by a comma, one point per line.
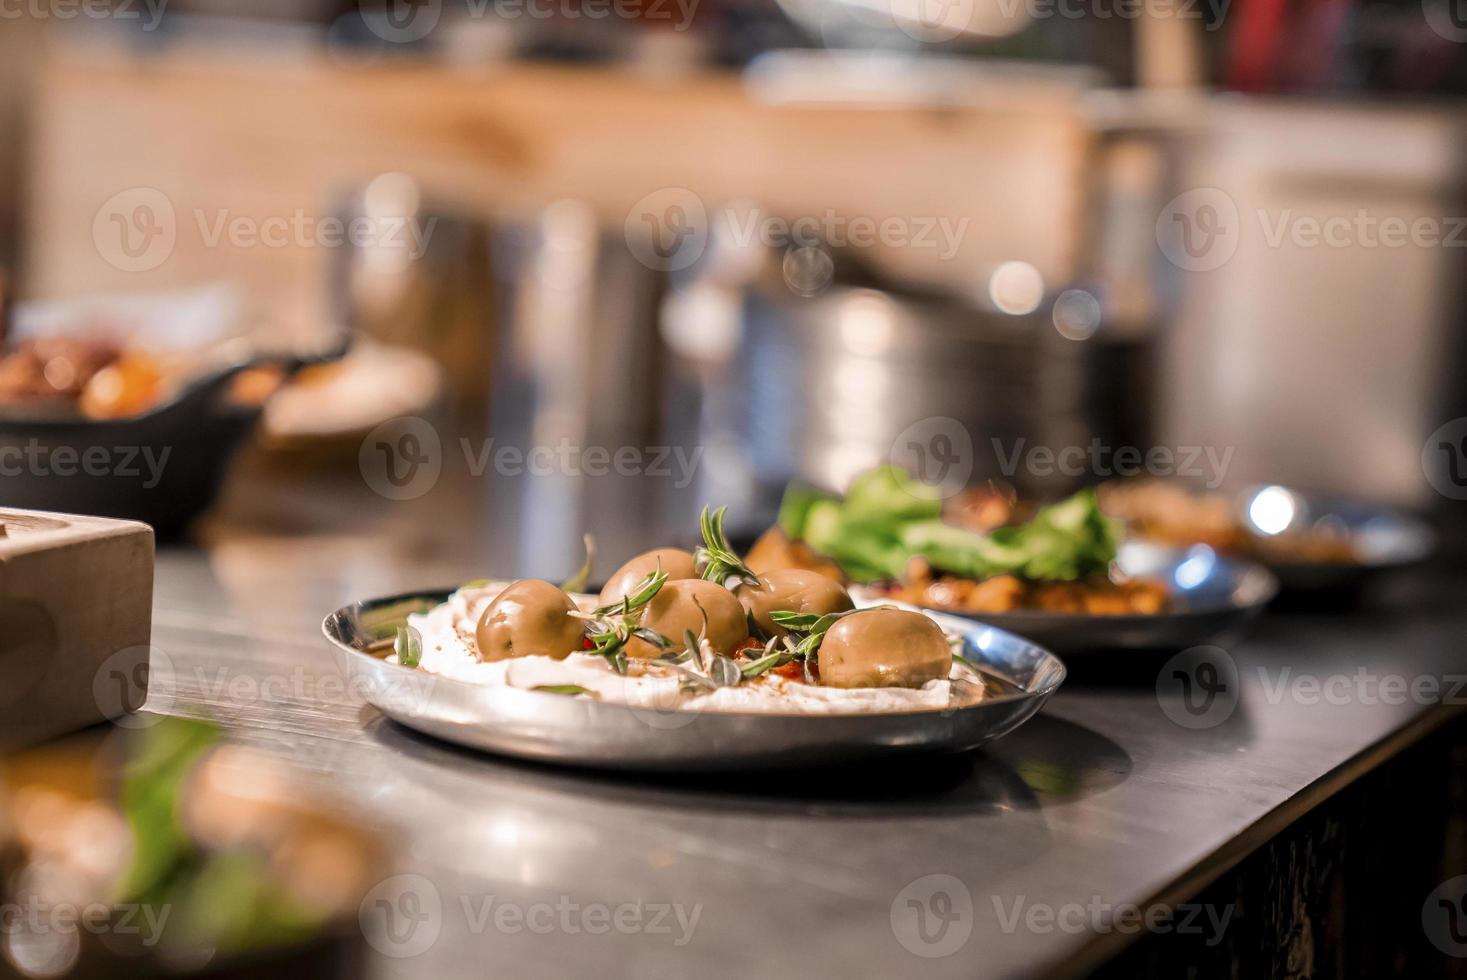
x=1174, y=514
x=51, y=368
x=682, y=606
x=131, y=385
x=1319, y=545
x=677, y=563
x=986, y=508
x=530, y=618
x=1005, y=593
x=774, y=552
x=884, y=648
x=794, y=590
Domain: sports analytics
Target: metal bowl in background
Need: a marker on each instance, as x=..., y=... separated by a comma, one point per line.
x=1381, y=539
x=827, y=386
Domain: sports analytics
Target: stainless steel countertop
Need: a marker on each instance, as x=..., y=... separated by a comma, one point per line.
x=1101, y=800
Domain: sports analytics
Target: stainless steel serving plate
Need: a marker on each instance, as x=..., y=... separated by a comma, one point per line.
x=1212, y=596
x=1382, y=538
x=1019, y=678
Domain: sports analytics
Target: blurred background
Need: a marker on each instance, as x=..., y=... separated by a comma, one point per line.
x=737, y=242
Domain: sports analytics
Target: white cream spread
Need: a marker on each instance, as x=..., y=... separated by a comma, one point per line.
x=450, y=648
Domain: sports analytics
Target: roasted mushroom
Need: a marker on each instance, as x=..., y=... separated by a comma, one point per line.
x=677, y=563
x=884, y=647
x=792, y=590
x=683, y=606
x=530, y=618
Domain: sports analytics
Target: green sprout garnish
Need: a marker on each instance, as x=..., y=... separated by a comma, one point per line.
x=408, y=646
x=613, y=625
x=717, y=559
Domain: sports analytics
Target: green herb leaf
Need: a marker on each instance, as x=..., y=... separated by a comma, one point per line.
x=635, y=600
x=723, y=672
x=719, y=561
x=408, y=646
x=766, y=663
x=799, y=622
x=652, y=636
x=967, y=663
x=570, y=690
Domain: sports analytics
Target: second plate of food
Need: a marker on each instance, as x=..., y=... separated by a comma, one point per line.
x=1208, y=597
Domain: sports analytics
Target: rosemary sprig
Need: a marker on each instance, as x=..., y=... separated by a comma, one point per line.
x=612, y=626
x=633, y=601
x=795, y=647
x=717, y=559
x=809, y=644
x=775, y=655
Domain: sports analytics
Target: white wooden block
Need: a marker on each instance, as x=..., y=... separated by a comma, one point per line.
x=76, y=603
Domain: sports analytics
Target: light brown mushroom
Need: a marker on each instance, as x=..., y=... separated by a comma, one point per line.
x=530, y=618
x=680, y=607
x=884, y=647
x=677, y=563
x=792, y=590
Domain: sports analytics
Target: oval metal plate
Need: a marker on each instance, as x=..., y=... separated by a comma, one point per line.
x=576, y=731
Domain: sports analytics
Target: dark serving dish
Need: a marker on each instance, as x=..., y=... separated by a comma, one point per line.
x=163, y=467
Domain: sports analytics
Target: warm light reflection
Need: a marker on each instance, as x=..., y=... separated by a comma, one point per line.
x=1016, y=288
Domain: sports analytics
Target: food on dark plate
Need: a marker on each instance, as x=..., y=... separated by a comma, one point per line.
x=889, y=532
x=531, y=617
x=95, y=377
x=99, y=379
x=1173, y=513
x=723, y=638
